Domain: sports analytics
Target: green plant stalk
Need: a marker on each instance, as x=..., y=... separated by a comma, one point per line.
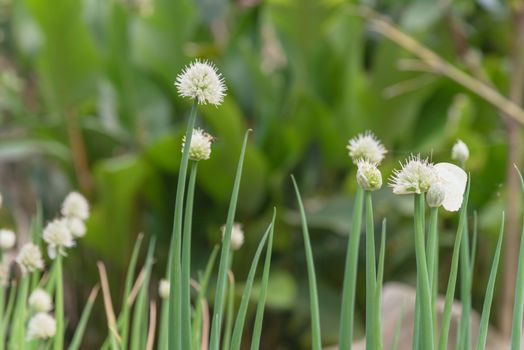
x=186, y=260
x=246, y=294
x=452, y=281
x=82, y=324
x=484, y=321
x=257, y=328
x=380, y=280
x=123, y=319
x=7, y=314
x=175, y=297
x=163, y=329
x=316, y=341
x=432, y=253
x=218, y=310
x=423, y=276
x=416, y=324
x=347, y=315
x=371, y=275
x=204, y=280
x=398, y=328
x=3, y=317
x=59, y=304
x=229, y=311
x=464, y=334
x=516, y=326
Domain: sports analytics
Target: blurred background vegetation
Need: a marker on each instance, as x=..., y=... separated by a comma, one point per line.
x=87, y=102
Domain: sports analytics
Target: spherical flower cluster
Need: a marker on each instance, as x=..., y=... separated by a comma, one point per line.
x=41, y=326
x=40, y=301
x=75, y=206
x=30, y=258
x=200, y=147
x=237, y=236
x=76, y=226
x=202, y=82
x=163, y=289
x=366, y=147
x=460, y=152
x=416, y=176
x=58, y=237
x=368, y=176
x=7, y=239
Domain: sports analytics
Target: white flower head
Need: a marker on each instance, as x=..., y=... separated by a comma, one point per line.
x=453, y=180
x=237, y=236
x=40, y=301
x=163, y=289
x=416, y=176
x=202, y=82
x=368, y=176
x=366, y=147
x=58, y=237
x=460, y=152
x=436, y=195
x=76, y=226
x=41, y=326
x=30, y=258
x=75, y=205
x=7, y=239
x=200, y=147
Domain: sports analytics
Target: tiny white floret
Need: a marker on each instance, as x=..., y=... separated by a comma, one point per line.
x=460, y=152
x=40, y=301
x=163, y=289
x=41, y=326
x=237, y=236
x=58, y=237
x=415, y=176
x=75, y=205
x=202, y=82
x=200, y=147
x=30, y=258
x=7, y=239
x=366, y=147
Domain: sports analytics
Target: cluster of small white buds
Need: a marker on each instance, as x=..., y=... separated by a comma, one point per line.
x=75, y=206
x=202, y=82
x=40, y=301
x=58, y=237
x=163, y=289
x=416, y=176
x=368, y=176
x=200, y=146
x=366, y=147
x=41, y=326
x=29, y=258
x=7, y=239
x=460, y=152
x=237, y=236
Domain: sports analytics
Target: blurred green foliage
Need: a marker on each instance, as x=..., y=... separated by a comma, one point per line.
x=305, y=75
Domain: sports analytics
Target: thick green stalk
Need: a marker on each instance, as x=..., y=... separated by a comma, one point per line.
x=244, y=302
x=218, y=311
x=450, y=293
x=229, y=311
x=423, y=276
x=186, y=260
x=516, y=326
x=432, y=252
x=17, y=336
x=347, y=315
x=59, y=304
x=316, y=343
x=7, y=315
x=175, y=296
x=371, y=275
x=257, y=328
x=484, y=321
x=82, y=324
x=464, y=335
x=380, y=280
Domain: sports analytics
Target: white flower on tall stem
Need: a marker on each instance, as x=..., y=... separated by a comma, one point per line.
x=58, y=237
x=30, y=258
x=7, y=239
x=237, y=236
x=415, y=176
x=76, y=226
x=41, y=326
x=200, y=147
x=40, y=301
x=75, y=205
x=460, y=152
x=366, y=147
x=163, y=289
x=202, y=82
x=368, y=176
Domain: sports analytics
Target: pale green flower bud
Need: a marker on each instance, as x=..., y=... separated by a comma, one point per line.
x=368, y=176
x=436, y=195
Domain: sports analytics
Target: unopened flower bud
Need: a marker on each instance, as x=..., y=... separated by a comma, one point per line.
x=368, y=176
